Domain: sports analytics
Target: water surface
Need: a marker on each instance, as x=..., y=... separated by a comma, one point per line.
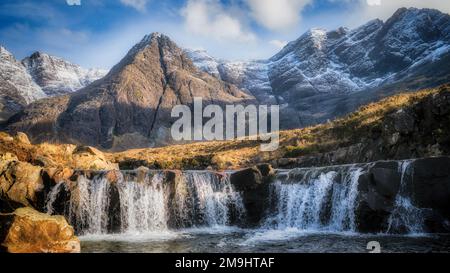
x=224, y=240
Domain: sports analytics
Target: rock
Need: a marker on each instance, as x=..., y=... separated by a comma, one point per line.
x=43, y=161
x=403, y=122
x=266, y=170
x=386, y=178
x=22, y=138
x=21, y=184
x=113, y=176
x=247, y=179
x=393, y=139
x=7, y=157
x=89, y=150
x=28, y=231
x=177, y=190
x=63, y=174
x=89, y=158
x=431, y=183
x=253, y=183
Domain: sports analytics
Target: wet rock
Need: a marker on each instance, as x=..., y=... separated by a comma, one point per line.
x=266, y=170
x=431, y=183
x=28, y=231
x=177, y=191
x=253, y=183
x=386, y=178
x=113, y=176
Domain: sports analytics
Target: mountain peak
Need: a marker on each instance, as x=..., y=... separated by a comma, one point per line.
x=57, y=76
x=148, y=40
x=5, y=53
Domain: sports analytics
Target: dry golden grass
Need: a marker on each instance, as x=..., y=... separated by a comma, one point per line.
x=238, y=153
x=293, y=143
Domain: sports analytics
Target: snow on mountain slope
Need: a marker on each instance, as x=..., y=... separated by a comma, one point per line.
x=324, y=74
x=14, y=73
x=251, y=76
x=57, y=76
x=17, y=88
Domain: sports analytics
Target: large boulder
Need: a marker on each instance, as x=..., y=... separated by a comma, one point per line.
x=89, y=158
x=425, y=181
x=21, y=184
x=431, y=184
x=28, y=231
x=253, y=183
x=22, y=138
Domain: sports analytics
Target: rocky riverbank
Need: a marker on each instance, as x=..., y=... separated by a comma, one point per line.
x=379, y=190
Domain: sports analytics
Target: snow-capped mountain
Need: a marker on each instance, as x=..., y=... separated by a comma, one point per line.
x=56, y=76
x=17, y=88
x=36, y=77
x=131, y=106
x=251, y=76
x=324, y=74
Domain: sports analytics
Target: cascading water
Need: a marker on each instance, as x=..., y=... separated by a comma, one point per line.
x=318, y=200
x=325, y=199
x=207, y=200
x=405, y=217
x=132, y=205
x=143, y=205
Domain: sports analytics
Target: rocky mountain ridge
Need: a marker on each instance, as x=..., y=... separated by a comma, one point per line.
x=325, y=74
x=58, y=77
x=131, y=105
x=38, y=76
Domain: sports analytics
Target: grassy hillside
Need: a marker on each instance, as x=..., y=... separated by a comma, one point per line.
x=358, y=127
x=372, y=128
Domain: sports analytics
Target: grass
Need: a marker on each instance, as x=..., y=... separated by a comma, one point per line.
x=342, y=132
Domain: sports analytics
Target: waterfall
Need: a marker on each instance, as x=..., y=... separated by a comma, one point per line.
x=143, y=205
x=405, y=217
x=316, y=199
x=149, y=203
x=207, y=200
x=88, y=205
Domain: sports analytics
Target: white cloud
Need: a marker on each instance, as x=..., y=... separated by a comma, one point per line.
x=73, y=2
x=278, y=15
x=373, y=2
x=383, y=9
x=209, y=18
x=278, y=44
x=140, y=5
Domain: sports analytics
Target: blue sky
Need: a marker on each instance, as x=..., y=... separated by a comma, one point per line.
x=98, y=33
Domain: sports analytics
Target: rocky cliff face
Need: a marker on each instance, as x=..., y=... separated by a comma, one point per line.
x=56, y=76
x=417, y=130
x=17, y=88
x=131, y=106
x=324, y=74
x=36, y=77
x=406, y=197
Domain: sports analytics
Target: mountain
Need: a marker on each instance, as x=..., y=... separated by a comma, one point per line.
x=130, y=106
x=17, y=88
x=325, y=74
x=36, y=77
x=318, y=77
x=249, y=75
x=56, y=76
